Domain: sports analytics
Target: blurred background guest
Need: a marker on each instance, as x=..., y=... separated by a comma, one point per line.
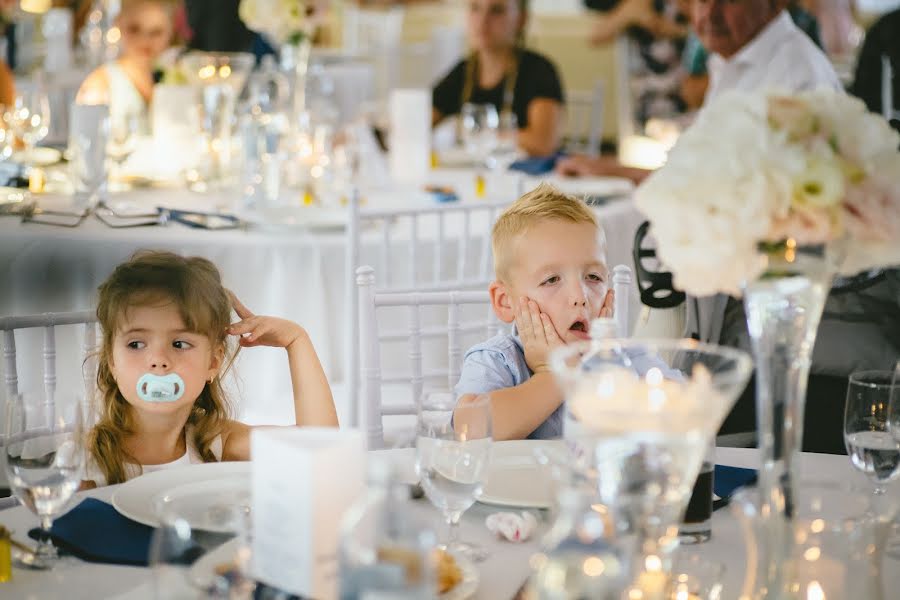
x=656, y=31
x=882, y=42
x=502, y=72
x=217, y=27
x=696, y=79
x=7, y=85
x=126, y=83
x=755, y=45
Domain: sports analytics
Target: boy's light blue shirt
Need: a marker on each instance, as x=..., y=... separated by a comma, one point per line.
x=499, y=363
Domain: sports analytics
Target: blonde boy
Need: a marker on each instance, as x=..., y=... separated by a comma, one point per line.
x=551, y=281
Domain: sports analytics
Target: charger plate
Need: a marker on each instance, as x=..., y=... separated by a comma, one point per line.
x=516, y=479
x=201, y=490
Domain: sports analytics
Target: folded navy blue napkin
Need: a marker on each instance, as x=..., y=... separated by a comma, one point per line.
x=538, y=165
x=97, y=532
x=726, y=480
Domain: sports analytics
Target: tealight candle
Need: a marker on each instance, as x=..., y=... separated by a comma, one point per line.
x=36, y=180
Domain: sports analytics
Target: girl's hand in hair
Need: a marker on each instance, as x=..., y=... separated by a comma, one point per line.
x=258, y=330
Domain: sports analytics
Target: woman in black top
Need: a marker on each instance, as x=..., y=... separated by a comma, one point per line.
x=501, y=72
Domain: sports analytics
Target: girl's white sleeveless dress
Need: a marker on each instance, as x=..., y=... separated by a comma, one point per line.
x=92, y=471
x=125, y=100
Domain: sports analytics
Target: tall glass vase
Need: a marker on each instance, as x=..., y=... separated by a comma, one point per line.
x=783, y=308
x=293, y=59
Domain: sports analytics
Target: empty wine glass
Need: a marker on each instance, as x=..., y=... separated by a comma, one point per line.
x=44, y=459
x=480, y=123
x=121, y=143
x=194, y=554
x=872, y=447
x=453, y=443
x=29, y=118
x=88, y=134
x=505, y=150
x=7, y=137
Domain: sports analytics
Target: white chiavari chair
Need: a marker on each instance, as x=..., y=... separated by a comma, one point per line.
x=375, y=33
x=584, y=119
x=49, y=322
x=459, y=325
x=446, y=247
x=887, y=90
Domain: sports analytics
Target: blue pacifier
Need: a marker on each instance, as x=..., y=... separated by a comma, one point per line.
x=160, y=388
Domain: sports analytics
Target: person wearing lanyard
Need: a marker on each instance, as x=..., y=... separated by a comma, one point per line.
x=502, y=72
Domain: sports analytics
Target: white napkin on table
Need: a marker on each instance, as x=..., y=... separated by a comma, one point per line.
x=514, y=527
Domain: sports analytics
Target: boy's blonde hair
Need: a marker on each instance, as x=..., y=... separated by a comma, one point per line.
x=543, y=203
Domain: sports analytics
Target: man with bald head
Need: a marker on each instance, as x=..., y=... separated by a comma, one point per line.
x=755, y=46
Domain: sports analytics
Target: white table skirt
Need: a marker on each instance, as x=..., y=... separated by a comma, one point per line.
x=295, y=274
x=501, y=574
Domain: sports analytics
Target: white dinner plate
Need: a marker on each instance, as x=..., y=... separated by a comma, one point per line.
x=209, y=505
x=202, y=572
x=137, y=498
x=456, y=157
x=516, y=479
x=292, y=217
x=39, y=156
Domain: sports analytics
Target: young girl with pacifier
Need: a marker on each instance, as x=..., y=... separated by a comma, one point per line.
x=166, y=323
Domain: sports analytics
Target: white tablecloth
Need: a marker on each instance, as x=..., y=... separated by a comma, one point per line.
x=296, y=274
x=501, y=574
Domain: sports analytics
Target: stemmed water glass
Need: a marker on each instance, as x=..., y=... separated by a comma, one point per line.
x=29, y=118
x=480, y=123
x=453, y=443
x=121, y=143
x=184, y=535
x=505, y=149
x=871, y=440
x=44, y=459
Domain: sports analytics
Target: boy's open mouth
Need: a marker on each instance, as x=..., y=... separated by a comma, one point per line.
x=580, y=326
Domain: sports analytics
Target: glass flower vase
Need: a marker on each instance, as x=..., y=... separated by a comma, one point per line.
x=783, y=309
x=293, y=58
x=639, y=417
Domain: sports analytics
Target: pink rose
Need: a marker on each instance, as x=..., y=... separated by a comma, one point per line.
x=871, y=211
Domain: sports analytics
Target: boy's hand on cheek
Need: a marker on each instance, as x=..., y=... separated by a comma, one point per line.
x=609, y=303
x=538, y=335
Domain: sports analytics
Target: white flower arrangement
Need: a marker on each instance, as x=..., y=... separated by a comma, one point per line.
x=815, y=167
x=282, y=21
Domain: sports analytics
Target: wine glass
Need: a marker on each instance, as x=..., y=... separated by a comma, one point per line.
x=872, y=447
x=7, y=137
x=44, y=459
x=453, y=443
x=505, y=149
x=480, y=123
x=197, y=553
x=29, y=118
x=121, y=143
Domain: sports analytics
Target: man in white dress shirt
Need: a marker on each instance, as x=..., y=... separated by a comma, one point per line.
x=754, y=45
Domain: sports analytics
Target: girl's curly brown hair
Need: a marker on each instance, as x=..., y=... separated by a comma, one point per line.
x=149, y=278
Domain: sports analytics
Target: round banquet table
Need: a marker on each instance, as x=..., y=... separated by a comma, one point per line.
x=501, y=575
x=295, y=273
